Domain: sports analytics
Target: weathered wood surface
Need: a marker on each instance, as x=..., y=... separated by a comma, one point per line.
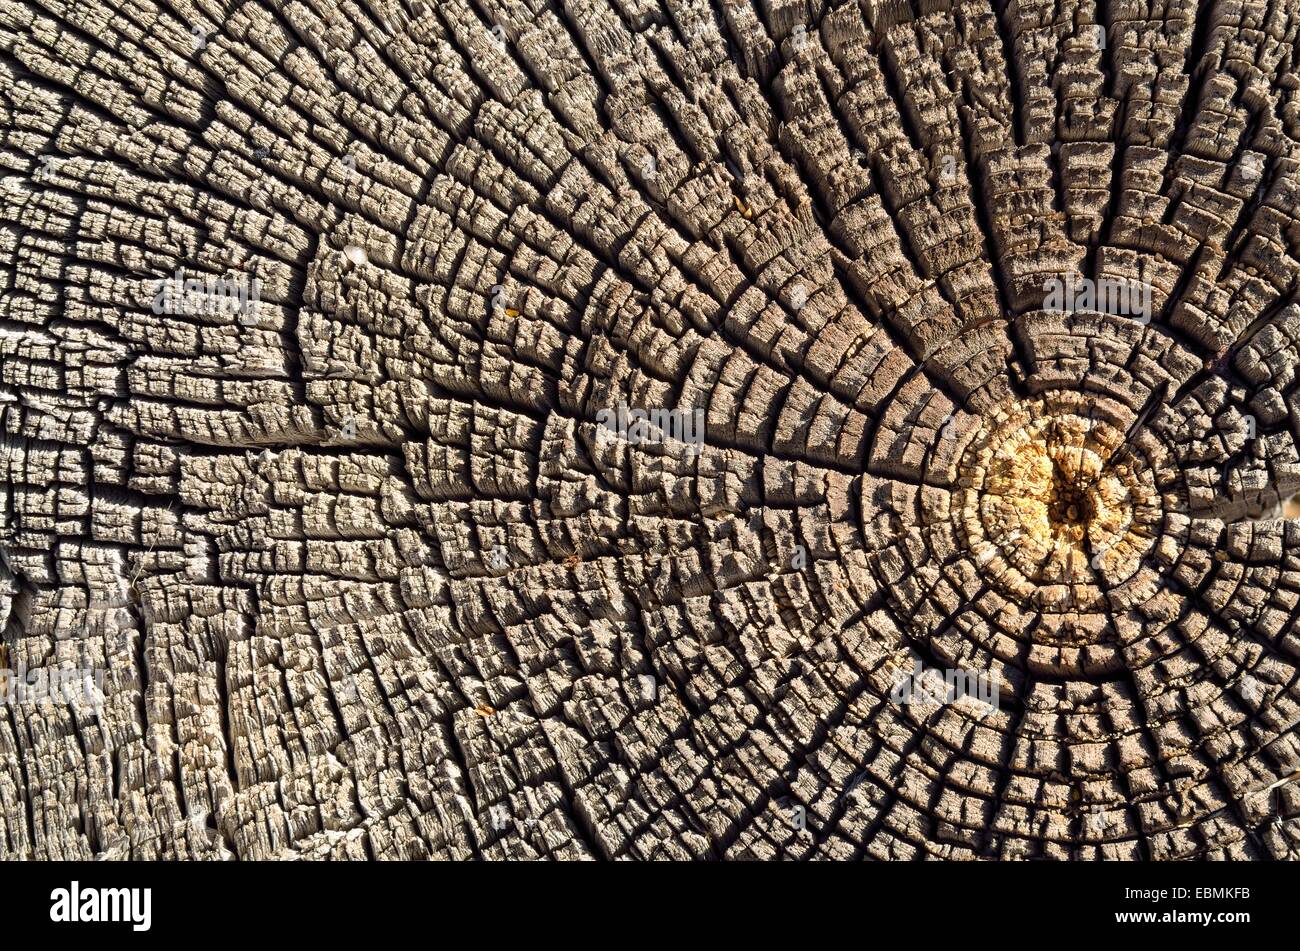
x=362, y=574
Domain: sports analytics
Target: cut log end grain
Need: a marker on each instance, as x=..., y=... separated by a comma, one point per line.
x=650, y=430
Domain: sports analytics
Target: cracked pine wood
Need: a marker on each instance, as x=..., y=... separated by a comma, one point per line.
x=364, y=577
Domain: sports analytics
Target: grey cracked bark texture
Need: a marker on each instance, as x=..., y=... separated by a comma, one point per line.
x=364, y=576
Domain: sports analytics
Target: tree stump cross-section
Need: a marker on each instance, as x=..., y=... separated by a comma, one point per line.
x=649, y=429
